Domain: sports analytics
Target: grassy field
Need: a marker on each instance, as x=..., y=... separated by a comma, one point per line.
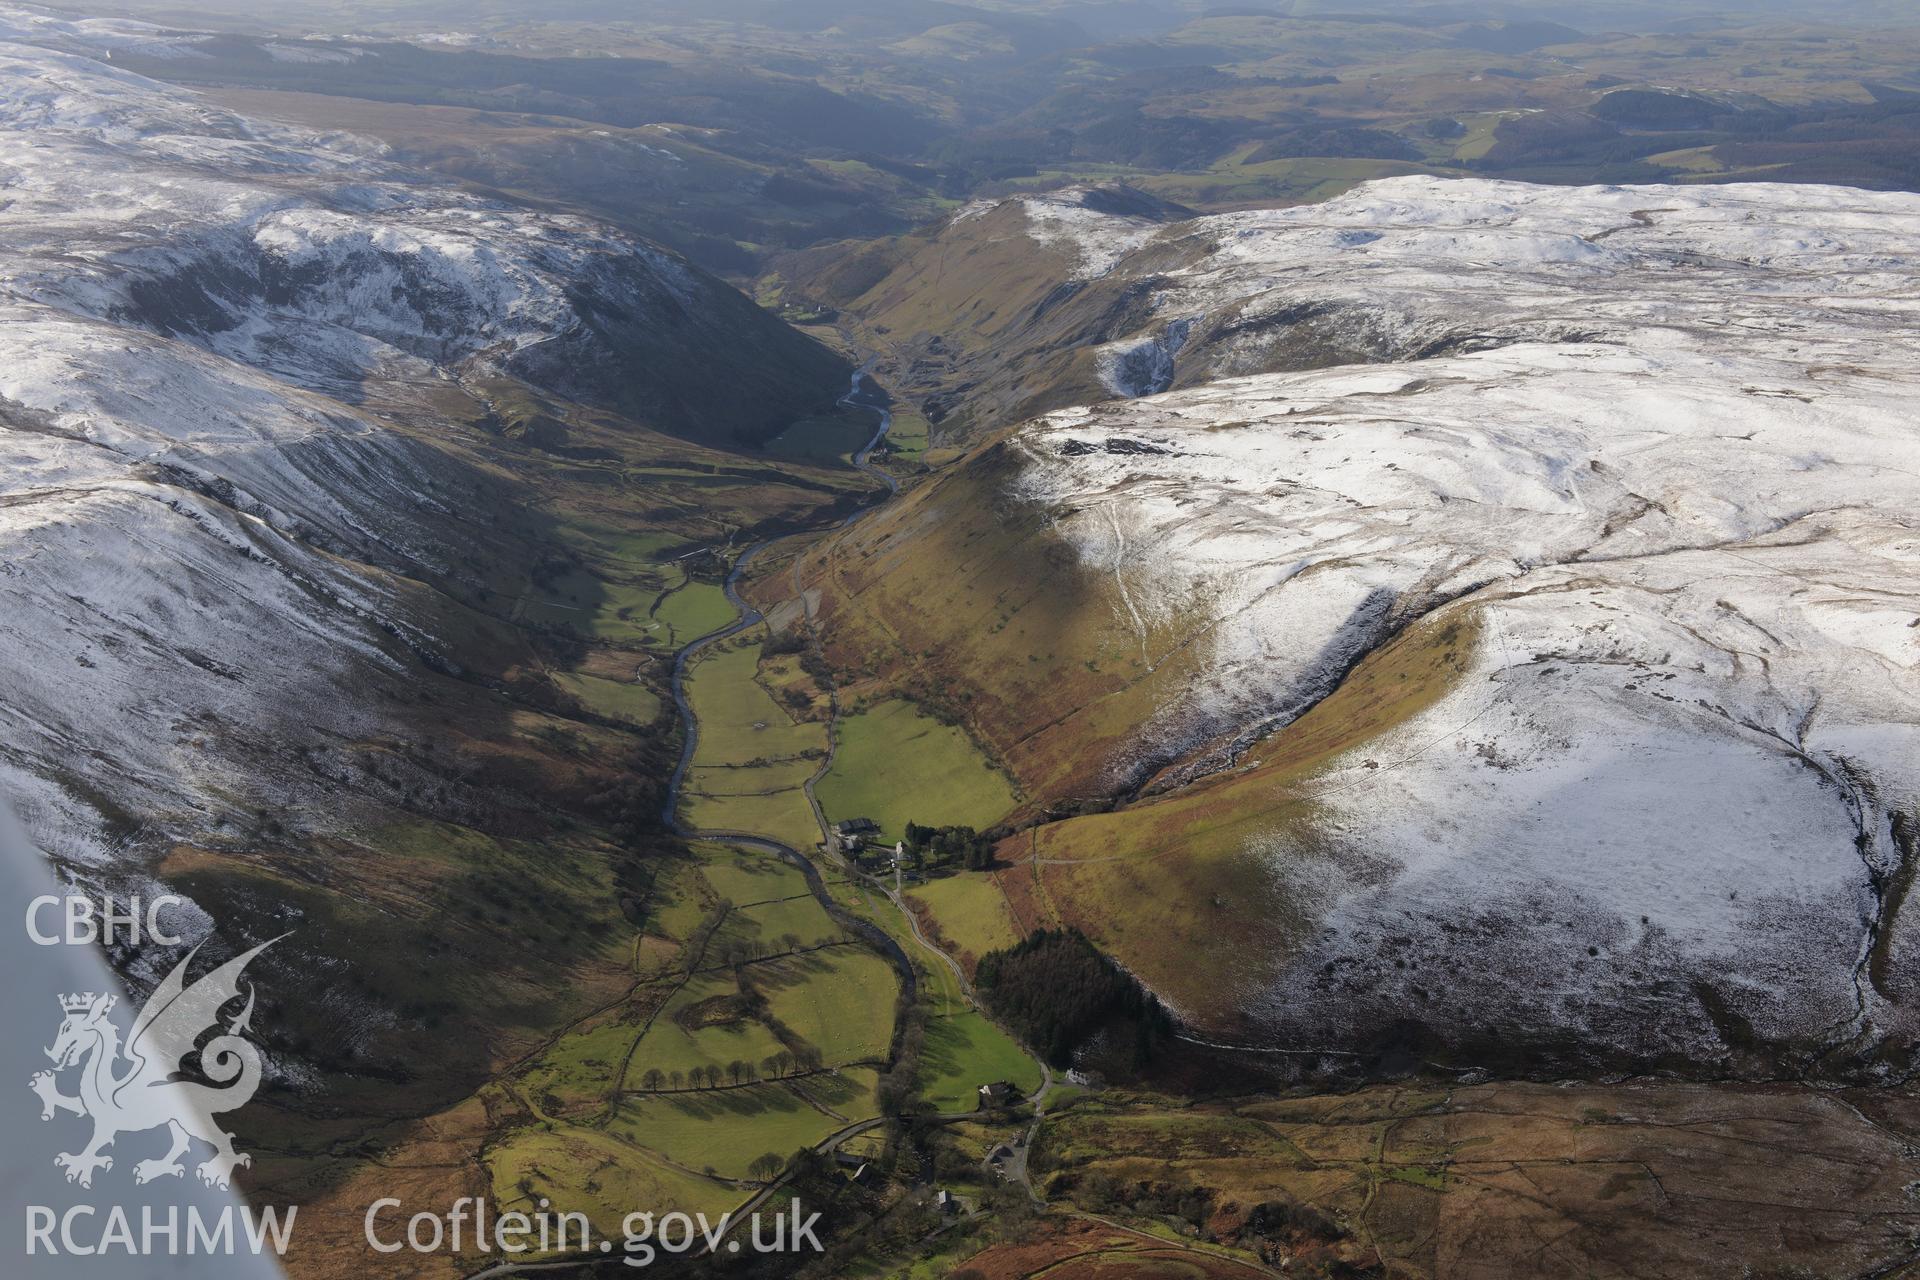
x=851, y=1094
x=751, y=780
x=1478, y=138
x=664, y=1142
x=909, y=435
x=784, y=816
x=752, y=755
x=739, y=722
x=594, y=1173
x=621, y=546
x=593, y=606
x=1689, y=160
x=634, y=703
x=726, y=1130
x=766, y=924
x=701, y=1026
x=794, y=686
x=646, y=596
x=655, y=605
x=688, y=612
x=839, y=1000
x=577, y=1070
x=744, y=878
x=831, y=437
x=970, y=912
x=940, y=991
x=895, y=765
x=680, y=897
x=753, y=995
x=964, y=1051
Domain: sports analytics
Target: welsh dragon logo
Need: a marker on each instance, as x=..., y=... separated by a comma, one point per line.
x=131, y=1088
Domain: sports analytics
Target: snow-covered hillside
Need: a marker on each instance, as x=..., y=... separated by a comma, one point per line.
x=309, y=256
x=1661, y=444
x=1416, y=267
x=211, y=331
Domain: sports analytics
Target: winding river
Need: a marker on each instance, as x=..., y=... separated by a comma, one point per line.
x=875, y=936
x=749, y=616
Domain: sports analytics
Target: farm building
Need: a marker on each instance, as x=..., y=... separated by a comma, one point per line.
x=850, y=835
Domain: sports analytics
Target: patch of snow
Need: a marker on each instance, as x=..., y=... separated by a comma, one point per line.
x=210, y=546
x=1096, y=241
x=1676, y=496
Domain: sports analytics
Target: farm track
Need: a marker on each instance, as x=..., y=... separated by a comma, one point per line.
x=876, y=937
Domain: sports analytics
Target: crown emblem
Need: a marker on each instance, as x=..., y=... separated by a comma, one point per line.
x=128, y=1087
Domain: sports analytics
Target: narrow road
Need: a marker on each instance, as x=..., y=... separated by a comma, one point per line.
x=750, y=616
x=898, y=898
x=1014, y=1167
x=879, y=938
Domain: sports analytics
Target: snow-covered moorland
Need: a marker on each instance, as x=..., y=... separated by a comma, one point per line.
x=1662, y=444
x=203, y=319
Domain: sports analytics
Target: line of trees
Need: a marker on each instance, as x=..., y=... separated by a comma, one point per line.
x=783, y=1065
x=896, y=1088
x=738, y=951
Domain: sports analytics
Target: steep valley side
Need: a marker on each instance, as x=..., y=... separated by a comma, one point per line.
x=1661, y=760
x=348, y=524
